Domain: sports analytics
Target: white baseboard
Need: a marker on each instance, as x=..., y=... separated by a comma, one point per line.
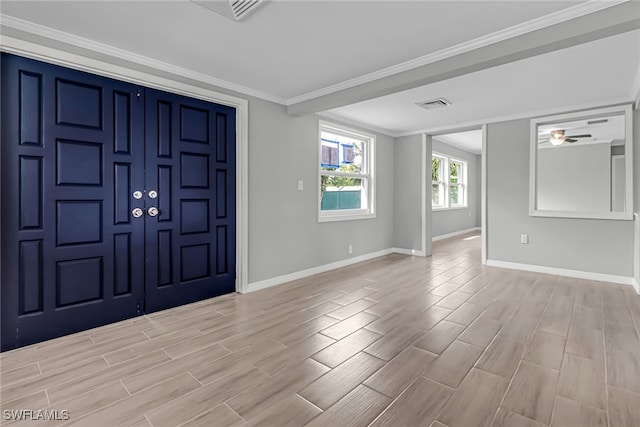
x=267, y=283
x=563, y=272
x=636, y=286
x=403, y=251
x=455, y=233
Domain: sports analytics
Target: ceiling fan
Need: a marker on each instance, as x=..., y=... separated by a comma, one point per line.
x=558, y=137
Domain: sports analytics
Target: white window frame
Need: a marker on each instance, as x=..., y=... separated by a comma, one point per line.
x=441, y=183
x=367, y=176
x=445, y=183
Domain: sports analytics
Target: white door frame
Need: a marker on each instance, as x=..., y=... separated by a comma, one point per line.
x=483, y=183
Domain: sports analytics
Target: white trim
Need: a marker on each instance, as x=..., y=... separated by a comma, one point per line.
x=455, y=233
x=152, y=81
x=446, y=182
x=558, y=17
x=627, y=214
x=624, y=280
x=267, y=283
x=411, y=252
x=483, y=195
x=21, y=47
x=369, y=141
x=635, y=285
x=635, y=89
x=426, y=232
x=636, y=251
x=242, y=198
x=455, y=208
x=343, y=215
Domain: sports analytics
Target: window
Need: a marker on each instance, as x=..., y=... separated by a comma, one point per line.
x=449, y=179
x=346, y=165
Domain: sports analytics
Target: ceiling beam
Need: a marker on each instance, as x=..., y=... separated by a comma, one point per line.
x=597, y=25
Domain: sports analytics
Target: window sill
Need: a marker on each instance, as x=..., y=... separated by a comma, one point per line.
x=456, y=208
x=343, y=216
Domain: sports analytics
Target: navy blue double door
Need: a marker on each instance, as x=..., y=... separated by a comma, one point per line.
x=117, y=200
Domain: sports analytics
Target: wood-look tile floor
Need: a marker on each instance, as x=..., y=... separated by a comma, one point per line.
x=395, y=341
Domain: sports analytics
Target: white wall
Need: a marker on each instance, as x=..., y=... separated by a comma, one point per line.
x=598, y=246
x=284, y=233
x=452, y=220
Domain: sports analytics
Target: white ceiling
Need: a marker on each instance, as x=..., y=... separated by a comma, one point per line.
x=599, y=72
x=470, y=140
x=293, y=50
x=613, y=130
x=285, y=48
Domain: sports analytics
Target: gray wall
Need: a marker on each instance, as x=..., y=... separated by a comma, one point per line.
x=284, y=233
x=598, y=246
x=479, y=188
x=452, y=220
x=636, y=190
x=565, y=184
x=407, y=197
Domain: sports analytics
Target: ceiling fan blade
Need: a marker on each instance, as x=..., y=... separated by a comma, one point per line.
x=586, y=135
x=570, y=140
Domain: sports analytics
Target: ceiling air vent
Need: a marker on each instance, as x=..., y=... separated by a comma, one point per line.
x=232, y=9
x=597, y=122
x=434, y=103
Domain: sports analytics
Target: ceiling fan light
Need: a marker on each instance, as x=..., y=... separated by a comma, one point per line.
x=556, y=141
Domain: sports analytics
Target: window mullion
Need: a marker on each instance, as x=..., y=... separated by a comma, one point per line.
x=344, y=174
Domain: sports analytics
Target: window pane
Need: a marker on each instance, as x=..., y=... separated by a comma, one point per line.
x=341, y=193
x=454, y=172
x=436, y=165
x=454, y=195
x=437, y=195
x=339, y=152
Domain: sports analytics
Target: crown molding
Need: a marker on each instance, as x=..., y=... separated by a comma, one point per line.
x=108, y=53
x=13, y=44
x=489, y=39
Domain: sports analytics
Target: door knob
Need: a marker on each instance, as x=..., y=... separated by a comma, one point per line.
x=153, y=194
x=153, y=211
x=137, y=212
x=137, y=195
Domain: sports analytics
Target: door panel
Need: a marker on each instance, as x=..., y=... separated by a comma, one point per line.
x=190, y=255
x=72, y=255
x=75, y=147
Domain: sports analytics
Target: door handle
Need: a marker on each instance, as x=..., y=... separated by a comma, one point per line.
x=153, y=211
x=137, y=212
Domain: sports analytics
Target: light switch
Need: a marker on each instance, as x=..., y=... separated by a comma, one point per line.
x=300, y=185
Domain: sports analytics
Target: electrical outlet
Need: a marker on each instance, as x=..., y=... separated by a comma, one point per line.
x=350, y=249
x=524, y=239
x=300, y=185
